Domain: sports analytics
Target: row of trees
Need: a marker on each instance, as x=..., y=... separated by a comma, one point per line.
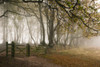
x=51, y=22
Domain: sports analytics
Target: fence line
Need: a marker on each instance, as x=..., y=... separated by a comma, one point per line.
x=14, y=47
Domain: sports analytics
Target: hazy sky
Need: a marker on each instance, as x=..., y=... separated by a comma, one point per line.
x=98, y=1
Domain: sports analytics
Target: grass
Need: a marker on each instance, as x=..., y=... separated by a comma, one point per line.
x=75, y=58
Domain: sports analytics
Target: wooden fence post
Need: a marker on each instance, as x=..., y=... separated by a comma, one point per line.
x=6, y=49
x=27, y=50
x=13, y=49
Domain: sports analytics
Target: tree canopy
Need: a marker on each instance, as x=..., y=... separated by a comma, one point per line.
x=56, y=18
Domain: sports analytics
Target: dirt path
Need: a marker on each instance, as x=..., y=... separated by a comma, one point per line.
x=69, y=58
x=32, y=61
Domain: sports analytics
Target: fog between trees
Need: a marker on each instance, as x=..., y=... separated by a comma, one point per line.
x=53, y=22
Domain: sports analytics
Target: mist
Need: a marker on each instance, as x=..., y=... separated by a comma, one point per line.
x=91, y=42
x=34, y=31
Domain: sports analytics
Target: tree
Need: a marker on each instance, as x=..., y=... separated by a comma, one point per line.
x=64, y=19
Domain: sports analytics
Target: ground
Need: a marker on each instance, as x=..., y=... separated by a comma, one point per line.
x=88, y=57
x=32, y=61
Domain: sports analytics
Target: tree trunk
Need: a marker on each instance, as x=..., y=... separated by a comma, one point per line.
x=42, y=25
x=51, y=29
